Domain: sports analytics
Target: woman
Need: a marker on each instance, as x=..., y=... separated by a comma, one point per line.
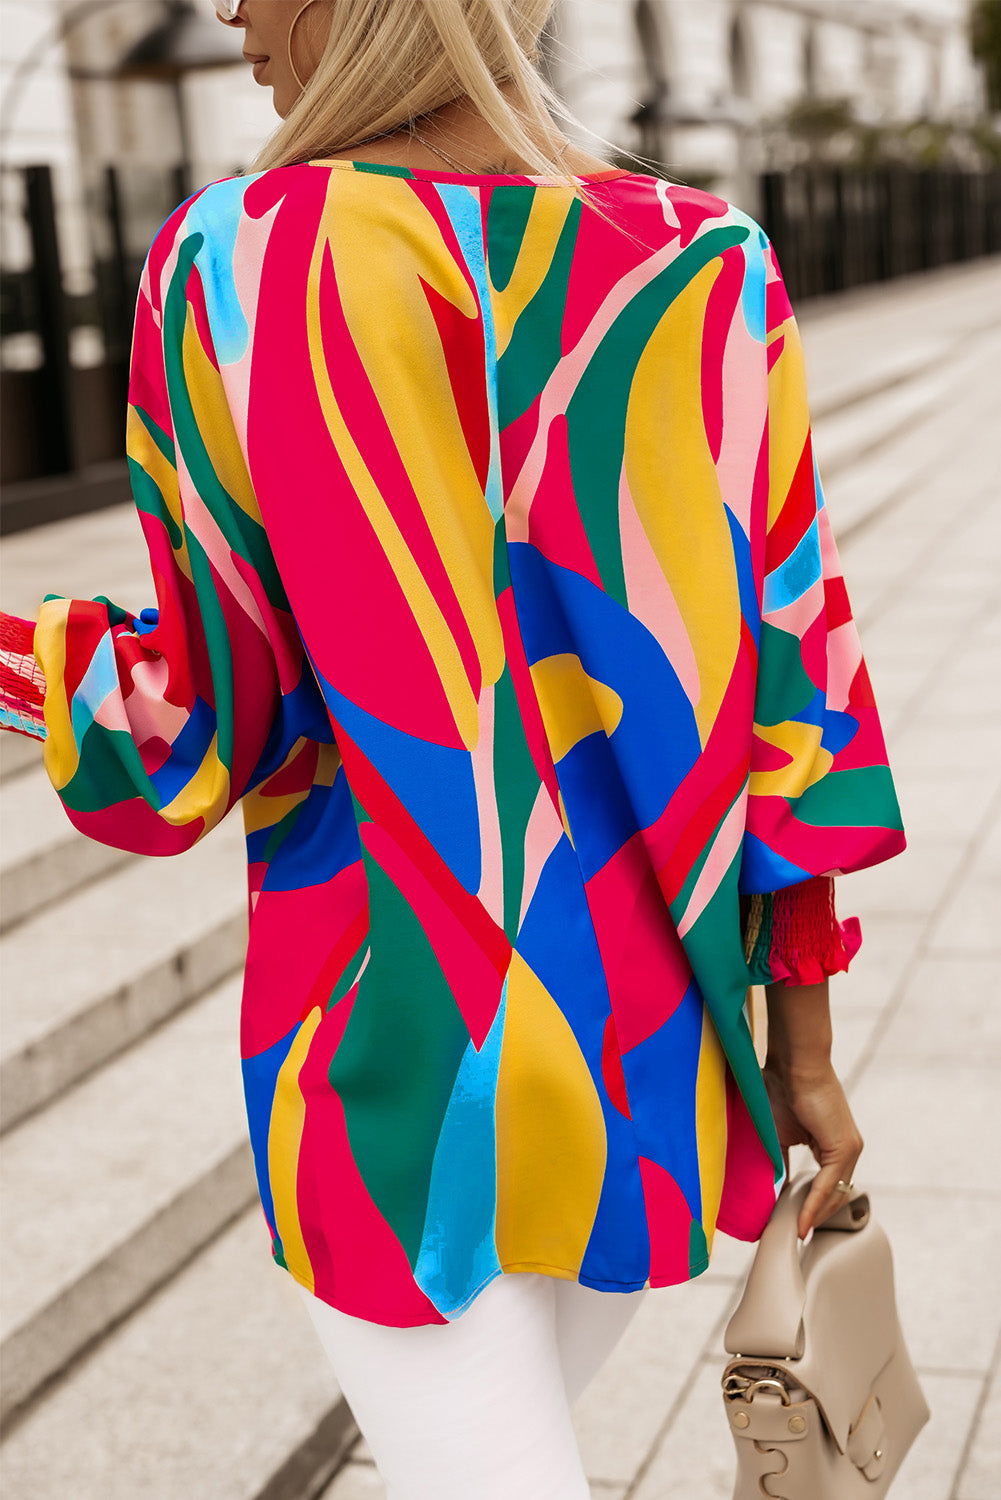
x=493, y=577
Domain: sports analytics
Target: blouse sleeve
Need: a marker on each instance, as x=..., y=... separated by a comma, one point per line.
x=22, y=684
x=821, y=800
x=794, y=936
x=156, y=725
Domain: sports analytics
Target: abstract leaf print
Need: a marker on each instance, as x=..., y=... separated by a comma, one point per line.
x=494, y=578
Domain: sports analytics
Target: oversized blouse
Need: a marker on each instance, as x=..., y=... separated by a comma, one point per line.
x=494, y=577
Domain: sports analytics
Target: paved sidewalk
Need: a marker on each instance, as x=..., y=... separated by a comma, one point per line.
x=912, y=474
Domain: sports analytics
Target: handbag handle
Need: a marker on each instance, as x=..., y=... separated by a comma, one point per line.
x=768, y=1319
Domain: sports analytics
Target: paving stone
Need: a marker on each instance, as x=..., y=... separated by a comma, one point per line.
x=912, y=884
x=949, y=1010
x=929, y=1470
x=895, y=560
x=940, y=807
x=694, y=1457
x=928, y=622
x=854, y=1029
x=205, y=1392
x=890, y=527
x=160, y=1162
x=952, y=300
x=951, y=1321
x=889, y=945
x=979, y=1478
x=941, y=748
x=968, y=923
x=620, y=1414
x=360, y=1481
x=925, y=1124
x=964, y=700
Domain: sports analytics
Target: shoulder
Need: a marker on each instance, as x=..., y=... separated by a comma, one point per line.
x=715, y=212
x=213, y=210
x=762, y=277
x=205, y=229
x=216, y=211
x=688, y=213
x=728, y=232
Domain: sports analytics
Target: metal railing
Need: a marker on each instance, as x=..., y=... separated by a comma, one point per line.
x=64, y=357
x=834, y=228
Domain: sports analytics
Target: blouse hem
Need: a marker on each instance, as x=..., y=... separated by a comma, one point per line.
x=563, y=1273
x=749, y=1230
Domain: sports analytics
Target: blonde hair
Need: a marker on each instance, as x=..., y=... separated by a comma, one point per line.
x=390, y=62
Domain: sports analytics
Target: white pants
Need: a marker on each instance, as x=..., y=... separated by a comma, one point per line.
x=479, y=1407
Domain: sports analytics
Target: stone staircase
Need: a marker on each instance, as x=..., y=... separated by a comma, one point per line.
x=149, y=1347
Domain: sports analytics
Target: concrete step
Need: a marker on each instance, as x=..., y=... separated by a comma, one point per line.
x=885, y=370
x=897, y=442
x=90, y=974
x=850, y=434
x=359, y=1479
x=18, y=753
x=864, y=337
x=42, y=856
x=116, y=1184
x=216, y=1389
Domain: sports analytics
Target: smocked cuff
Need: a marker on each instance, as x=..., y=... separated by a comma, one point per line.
x=793, y=936
x=22, y=681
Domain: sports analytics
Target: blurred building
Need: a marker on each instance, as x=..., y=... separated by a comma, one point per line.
x=708, y=74
x=62, y=103
x=111, y=112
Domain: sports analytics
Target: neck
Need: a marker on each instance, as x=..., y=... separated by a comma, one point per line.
x=459, y=130
x=462, y=136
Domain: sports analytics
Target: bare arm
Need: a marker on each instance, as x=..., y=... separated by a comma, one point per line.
x=807, y=1098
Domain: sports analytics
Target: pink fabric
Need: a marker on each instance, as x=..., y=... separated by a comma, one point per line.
x=806, y=941
x=22, y=681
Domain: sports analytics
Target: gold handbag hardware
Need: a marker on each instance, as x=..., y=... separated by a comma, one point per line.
x=759, y=1385
x=820, y=1397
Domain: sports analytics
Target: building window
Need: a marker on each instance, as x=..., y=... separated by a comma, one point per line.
x=650, y=116
x=740, y=61
x=810, y=64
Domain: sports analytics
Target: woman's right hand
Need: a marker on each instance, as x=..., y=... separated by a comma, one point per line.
x=810, y=1108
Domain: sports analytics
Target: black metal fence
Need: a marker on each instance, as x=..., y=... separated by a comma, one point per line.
x=833, y=229
x=65, y=417
x=63, y=370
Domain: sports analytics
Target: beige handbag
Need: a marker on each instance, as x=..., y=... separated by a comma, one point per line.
x=821, y=1397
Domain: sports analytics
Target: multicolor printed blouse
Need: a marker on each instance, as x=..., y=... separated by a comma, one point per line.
x=493, y=576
